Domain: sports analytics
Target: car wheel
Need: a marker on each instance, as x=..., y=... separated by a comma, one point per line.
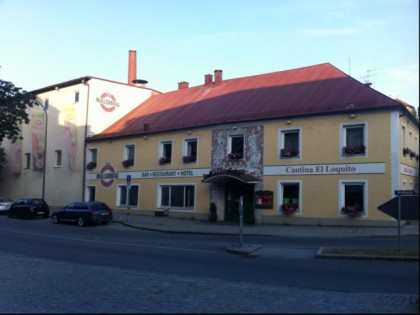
x=26, y=215
x=9, y=214
x=54, y=219
x=80, y=222
x=46, y=215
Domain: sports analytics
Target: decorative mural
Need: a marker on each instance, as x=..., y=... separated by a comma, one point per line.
x=38, y=140
x=251, y=162
x=70, y=129
x=16, y=156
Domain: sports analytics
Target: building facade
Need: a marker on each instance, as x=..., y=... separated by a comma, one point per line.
x=303, y=146
x=74, y=110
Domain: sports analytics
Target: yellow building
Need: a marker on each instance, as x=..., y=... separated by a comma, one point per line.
x=303, y=146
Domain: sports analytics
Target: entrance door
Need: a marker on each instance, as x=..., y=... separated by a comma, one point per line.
x=233, y=192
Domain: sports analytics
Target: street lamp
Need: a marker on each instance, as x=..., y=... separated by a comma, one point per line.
x=45, y=148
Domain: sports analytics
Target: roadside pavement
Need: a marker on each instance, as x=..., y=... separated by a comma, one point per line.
x=170, y=224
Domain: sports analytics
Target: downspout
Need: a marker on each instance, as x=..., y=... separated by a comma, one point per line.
x=85, y=82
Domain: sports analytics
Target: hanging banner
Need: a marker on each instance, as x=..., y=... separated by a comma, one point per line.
x=16, y=156
x=38, y=141
x=70, y=129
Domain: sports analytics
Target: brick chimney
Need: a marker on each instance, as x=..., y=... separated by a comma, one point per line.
x=132, y=67
x=218, y=76
x=183, y=85
x=208, y=79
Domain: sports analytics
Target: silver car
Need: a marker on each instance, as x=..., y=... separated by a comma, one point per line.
x=5, y=204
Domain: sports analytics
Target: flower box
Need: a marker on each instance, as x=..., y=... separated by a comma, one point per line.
x=189, y=158
x=91, y=165
x=164, y=160
x=352, y=211
x=354, y=149
x=235, y=156
x=127, y=163
x=289, y=208
x=289, y=152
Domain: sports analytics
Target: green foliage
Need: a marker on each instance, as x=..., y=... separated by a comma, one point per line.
x=13, y=104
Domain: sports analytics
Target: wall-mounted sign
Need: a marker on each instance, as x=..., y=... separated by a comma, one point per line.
x=107, y=102
x=107, y=176
x=326, y=169
x=263, y=199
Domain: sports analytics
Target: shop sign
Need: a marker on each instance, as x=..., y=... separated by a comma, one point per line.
x=264, y=199
x=326, y=169
x=107, y=176
x=108, y=102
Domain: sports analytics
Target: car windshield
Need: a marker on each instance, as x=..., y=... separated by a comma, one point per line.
x=99, y=206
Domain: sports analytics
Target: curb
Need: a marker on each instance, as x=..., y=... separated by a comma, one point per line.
x=321, y=254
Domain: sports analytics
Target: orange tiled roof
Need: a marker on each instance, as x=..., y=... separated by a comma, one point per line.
x=312, y=90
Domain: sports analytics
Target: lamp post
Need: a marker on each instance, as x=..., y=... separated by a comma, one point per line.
x=45, y=148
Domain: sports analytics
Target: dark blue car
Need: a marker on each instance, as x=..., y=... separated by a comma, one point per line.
x=83, y=213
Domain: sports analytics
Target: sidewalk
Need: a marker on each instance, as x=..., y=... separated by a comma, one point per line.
x=180, y=225
x=189, y=226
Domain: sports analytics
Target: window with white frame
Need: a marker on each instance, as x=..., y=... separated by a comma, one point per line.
x=290, y=143
x=353, y=197
x=93, y=155
x=46, y=103
x=58, y=158
x=354, y=139
x=128, y=159
x=190, y=151
x=404, y=144
x=128, y=197
x=177, y=196
x=165, y=152
x=76, y=96
x=290, y=196
x=236, y=143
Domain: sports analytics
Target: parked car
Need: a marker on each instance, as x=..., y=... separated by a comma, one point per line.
x=28, y=208
x=82, y=213
x=5, y=204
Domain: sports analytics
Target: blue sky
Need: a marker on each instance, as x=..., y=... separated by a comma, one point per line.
x=44, y=42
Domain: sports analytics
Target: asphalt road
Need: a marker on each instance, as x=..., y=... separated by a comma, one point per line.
x=113, y=269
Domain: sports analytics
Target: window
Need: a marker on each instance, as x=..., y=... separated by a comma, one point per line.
x=132, y=196
x=289, y=197
x=46, y=103
x=93, y=155
x=165, y=152
x=353, y=140
x=58, y=158
x=289, y=143
x=128, y=155
x=403, y=136
x=27, y=160
x=91, y=193
x=76, y=96
x=236, y=147
x=353, y=197
x=177, y=196
x=190, y=151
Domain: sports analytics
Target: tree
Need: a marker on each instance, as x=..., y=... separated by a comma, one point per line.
x=13, y=104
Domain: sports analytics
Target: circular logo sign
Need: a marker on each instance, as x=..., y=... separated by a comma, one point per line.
x=108, y=102
x=107, y=176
